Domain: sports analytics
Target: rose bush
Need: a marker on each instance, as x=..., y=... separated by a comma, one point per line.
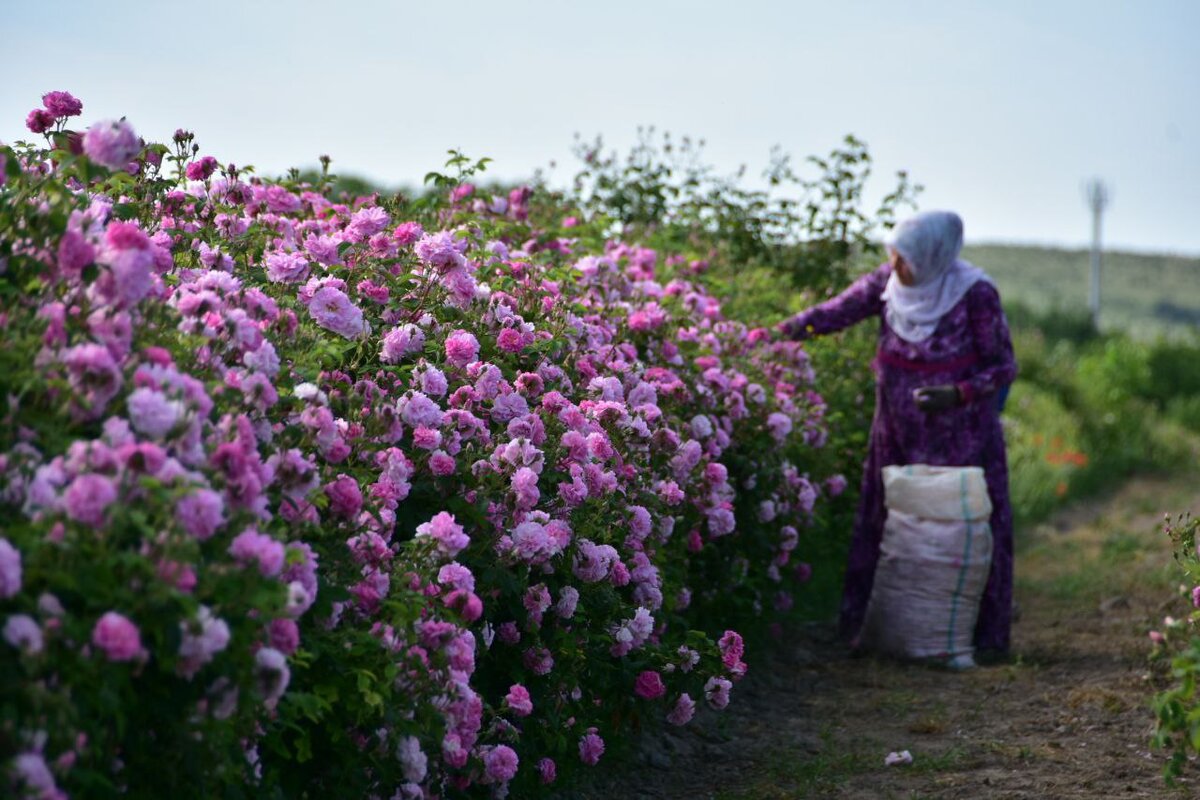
x=307, y=496
x=1177, y=708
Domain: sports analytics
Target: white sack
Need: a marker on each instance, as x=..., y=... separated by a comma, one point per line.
x=934, y=561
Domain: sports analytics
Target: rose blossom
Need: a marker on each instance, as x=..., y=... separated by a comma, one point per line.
x=518, y=700
x=649, y=685
x=591, y=747
x=500, y=763
x=111, y=143
x=200, y=513
x=117, y=637
x=684, y=710
x=39, y=120
x=129, y=254
x=88, y=497
x=250, y=545
x=333, y=310
x=151, y=413
x=271, y=674
x=461, y=348
x=401, y=341
x=10, y=569
x=716, y=692
x=22, y=632
x=62, y=104
x=345, y=498
x=202, y=169
x=446, y=533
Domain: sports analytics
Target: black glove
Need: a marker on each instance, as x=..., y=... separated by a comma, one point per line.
x=937, y=398
x=789, y=330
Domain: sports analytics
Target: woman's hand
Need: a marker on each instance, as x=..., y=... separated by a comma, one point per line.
x=937, y=398
x=788, y=330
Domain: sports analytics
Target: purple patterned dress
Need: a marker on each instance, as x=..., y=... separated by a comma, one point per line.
x=970, y=348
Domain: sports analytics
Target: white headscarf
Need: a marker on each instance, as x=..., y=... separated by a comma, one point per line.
x=930, y=242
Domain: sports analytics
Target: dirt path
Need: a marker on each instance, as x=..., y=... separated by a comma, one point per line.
x=1066, y=717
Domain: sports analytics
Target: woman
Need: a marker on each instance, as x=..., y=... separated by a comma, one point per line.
x=944, y=354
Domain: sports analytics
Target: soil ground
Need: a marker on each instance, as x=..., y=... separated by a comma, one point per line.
x=1066, y=716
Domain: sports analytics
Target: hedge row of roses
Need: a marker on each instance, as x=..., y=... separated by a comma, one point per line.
x=304, y=497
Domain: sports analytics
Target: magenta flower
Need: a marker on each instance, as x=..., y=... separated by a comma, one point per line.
x=88, y=498
x=547, y=770
x=780, y=425
x=94, y=376
x=151, y=413
x=39, y=120
x=333, y=310
x=345, y=498
x=62, y=104
x=34, y=774
x=117, y=637
x=407, y=232
x=22, y=632
x=732, y=648
x=716, y=692
x=366, y=222
x=130, y=258
x=500, y=763
x=202, y=169
x=271, y=674
x=466, y=603
x=200, y=513
x=441, y=463
x=442, y=251
x=419, y=411
x=284, y=635
x=252, y=546
x=286, y=267
x=200, y=641
x=74, y=252
x=10, y=569
x=323, y=249
x=684, y=710
x=402, y=341
x=412, y=759
x=649, y=685
x=112, y=144
x=446, y=533
x=538, y=660
x=518, y=700
x=510, y=340
x=461, y=348
x=279, y=200
x=591, y=747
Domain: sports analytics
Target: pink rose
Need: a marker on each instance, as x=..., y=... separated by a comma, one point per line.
x=117, y=637
x=649, y=685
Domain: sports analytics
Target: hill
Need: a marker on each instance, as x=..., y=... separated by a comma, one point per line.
x=1146, y=295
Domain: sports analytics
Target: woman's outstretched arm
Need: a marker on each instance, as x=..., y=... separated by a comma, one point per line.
x=859, y=301
x=998, y=366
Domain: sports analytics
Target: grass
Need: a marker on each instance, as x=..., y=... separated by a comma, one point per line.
x=786, y=776
x=1090, y=567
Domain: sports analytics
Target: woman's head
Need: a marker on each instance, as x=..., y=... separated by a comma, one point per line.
x=925, y=246
x=901, y=268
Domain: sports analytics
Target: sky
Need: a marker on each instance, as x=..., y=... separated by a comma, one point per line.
x=1000, y=109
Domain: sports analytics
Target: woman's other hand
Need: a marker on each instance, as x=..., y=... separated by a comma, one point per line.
x=937, y=398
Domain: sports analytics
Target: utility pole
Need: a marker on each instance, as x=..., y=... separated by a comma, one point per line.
x=1097, y=198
